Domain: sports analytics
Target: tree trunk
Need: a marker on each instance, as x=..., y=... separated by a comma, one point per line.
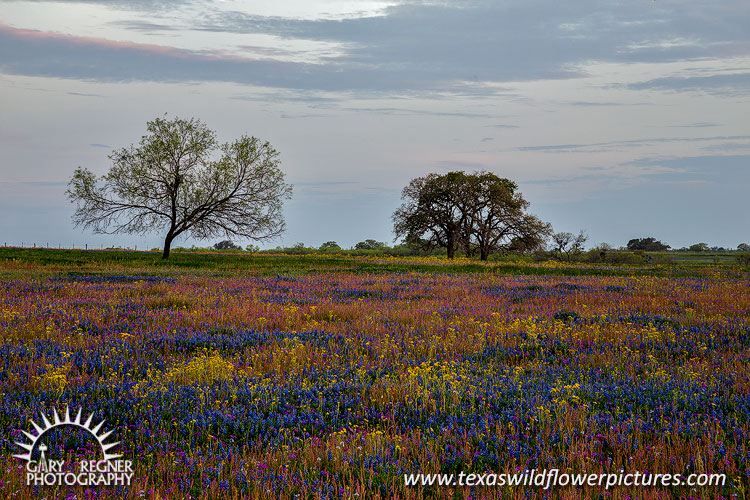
x=484, y=253
x=451, y=246
x=167, y=245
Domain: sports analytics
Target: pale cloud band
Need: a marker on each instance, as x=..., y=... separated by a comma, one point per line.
x=411, y=46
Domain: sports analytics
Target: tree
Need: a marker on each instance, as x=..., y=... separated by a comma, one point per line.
x=699, y=247
x=477, y=211
x=432, y=212
x=226, y=245
x=180, y=180
x=370, y=245
x=568, y=245
x=496, y=219
x=647, y=244
x=743, y=247
x=330, y=245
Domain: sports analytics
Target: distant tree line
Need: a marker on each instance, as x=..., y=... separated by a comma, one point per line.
x=180, y=180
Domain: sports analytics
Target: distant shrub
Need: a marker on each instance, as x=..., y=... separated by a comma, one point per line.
x=298, y=249
x=599, y=255
x=649, y=244
x=566, y=316
x=370, y=245
x=226, y=245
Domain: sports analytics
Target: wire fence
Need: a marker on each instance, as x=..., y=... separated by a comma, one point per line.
x=60, y=246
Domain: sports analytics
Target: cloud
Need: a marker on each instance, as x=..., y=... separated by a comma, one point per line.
x=588, y=104
x=515, y=40
x=81, y=94
x=35, y=53
x=140, y=5
x=698, y=125
x=502, y=125
x=456, y=48
x=727, y=146
x=604, y=146
x=417, y=112
x=718, y=176
x=734, y=83
x=290, y=116
x=719, y=168
x=460, y=165
x=144, y=26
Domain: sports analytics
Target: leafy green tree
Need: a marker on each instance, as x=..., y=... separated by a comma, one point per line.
x=330, y=245
x=699, y=247
x=649, y=244
x=433, y=211
x=496, y=218
x=226, y=245
x=370, y=245
x=473, y=212
x=180, y=180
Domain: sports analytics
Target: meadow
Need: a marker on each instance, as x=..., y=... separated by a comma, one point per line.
x=333, y=376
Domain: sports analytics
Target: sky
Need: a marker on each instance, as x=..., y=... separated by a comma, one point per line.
x=624, y=119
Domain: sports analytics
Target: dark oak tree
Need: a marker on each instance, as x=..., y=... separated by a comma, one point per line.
x=497, y=218
x=473, y=212
x=181, y=181
x=649, y=244
x=433, y=211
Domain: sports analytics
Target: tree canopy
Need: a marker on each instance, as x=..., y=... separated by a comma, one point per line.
x=477, y=212
x=180, y=180
x=370, y=244
x=330, y=245
x=567, y=245
x=649, y=244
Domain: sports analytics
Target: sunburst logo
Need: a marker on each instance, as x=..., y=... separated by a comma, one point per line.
x=48, y=472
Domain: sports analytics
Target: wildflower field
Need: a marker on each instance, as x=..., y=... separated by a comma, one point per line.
x=264, y=377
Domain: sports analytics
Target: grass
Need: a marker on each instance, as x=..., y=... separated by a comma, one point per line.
x=327, y=377
x=73, y=262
